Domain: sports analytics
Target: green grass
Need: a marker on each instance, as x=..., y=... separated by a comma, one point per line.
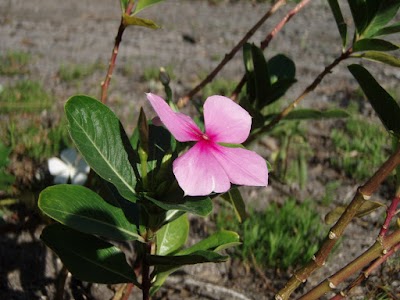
x=361, y=147
x=25, y=95
x=219, y=86
x=153, y=73
x=73, y=72
x=279, y=237
x=14, y=63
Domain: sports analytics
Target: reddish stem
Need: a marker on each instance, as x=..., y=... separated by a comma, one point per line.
x=184, y=100
x=105, y=84
x=391, y=211
x=268, y=38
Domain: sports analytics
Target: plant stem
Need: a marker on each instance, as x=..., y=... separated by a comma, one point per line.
x=307, y=90
x=378, y=250
x=267, y=40
x=363, y=193
x=184, y=100
x=105, y=84
x=366, y=273
x=391, y=211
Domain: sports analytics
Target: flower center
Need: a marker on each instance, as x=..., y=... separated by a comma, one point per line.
x=205, y=137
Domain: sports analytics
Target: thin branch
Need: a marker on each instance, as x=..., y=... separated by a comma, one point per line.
x=376, y=252
x=105, y=84
x=268, y=38
x=184, y=100
x=363, y=193
x=328, y=69
x=379, y=261
x=390, y=213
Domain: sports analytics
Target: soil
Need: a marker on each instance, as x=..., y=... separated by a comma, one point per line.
x=194, y=37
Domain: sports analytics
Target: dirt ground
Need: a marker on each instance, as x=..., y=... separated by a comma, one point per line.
x=194, y=37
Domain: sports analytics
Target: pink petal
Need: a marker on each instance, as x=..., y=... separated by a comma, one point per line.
x=182, y=127
x=225, y=121
x=198, y=172
x=243, y=167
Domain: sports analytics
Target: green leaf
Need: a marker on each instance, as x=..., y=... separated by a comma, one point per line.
x=82, y=209
x=172, y=236
x=385, y=106
x=201, y=206
x=142, y=4
x=380, y=57
x=312, y=114
x=374, y=45
x=341, y=24
x=218, y=241
x=132, y=20
x=394, y=28
x=366, y=208
x=234, y=197
x=100, y=138
x=196, y=257
x=87, y=257
x=358, y=10
x=249, y=67
x=261, y=76
x=386, y=11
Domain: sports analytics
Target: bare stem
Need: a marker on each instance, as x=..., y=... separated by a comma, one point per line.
x=363, y=193
x=391, y=211
x=184, y=100
x=105, y=84
x=268, y=38
x=377, y=252
x=327, y=70
x=364, y=275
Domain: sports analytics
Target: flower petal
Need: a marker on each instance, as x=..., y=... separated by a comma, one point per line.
x=69, y=155
x=79, y=178
x=198, y=172
x=243, y=167
x=182, y=127
x=225, y=121
x=57, y=166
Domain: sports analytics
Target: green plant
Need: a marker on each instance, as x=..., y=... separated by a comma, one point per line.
x=6, y=179
x=26, y=96
x=73, y=72
x=281, y=236
x=361, y=146
x=14, y=63
x=153, y=73
x=220, y=86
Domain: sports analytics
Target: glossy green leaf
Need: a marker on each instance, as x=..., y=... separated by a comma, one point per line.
x=100, y=138
x=366, y=208
x=196, y=257
x=281, y=67
x=135, y=21
x=87, y=257
x=234, y=197
x=261, y=76
x=394, y=28
x=385, y=106
x=250, y=77
x=341, y=24
x=380, y=57
x=386, y=11
x=374, y=45
x=218, y=241
x=124, y=4
x=312, y=114
x=358, y=10
x=172, y=236
x=201, y=206
x=82, y=209
x=142, y=4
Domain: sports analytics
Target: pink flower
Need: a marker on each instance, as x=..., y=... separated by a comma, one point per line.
x=208, y=166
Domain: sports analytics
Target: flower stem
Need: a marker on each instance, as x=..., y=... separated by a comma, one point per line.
x=184, y=100
x=105, y=84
